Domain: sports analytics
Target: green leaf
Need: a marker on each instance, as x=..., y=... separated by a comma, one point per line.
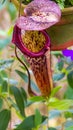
x=10, y=31
x=69, y=128
x=69, y=67
x=5, y=64
x=23, y=94
x=68, y=115
x=69, y=93
x=70, y=78
x=4, y=86
x=51, y=128
x=1, y=103
x=26, y=124
x=19, y=99
x=13, y=103
x=5, y=116
x=26, y=2
x=37, y=99
x=55, y=90
x=4, y=94
x=57, y=77
x=12, y=10
x=3, y=74
x=71, y=1
x=60, y=104
x=3, y=1
x=38, y=118
x=60, y=65
x=25, y=78
x=1, y=80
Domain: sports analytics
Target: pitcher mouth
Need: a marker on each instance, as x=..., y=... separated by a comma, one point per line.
x=17, y=40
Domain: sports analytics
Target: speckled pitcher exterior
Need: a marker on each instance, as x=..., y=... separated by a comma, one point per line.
x=61, y=37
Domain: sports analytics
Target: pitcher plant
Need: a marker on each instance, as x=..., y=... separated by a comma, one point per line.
x=31, y=38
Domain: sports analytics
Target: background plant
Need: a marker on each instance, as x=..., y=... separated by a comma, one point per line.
x=15, y=99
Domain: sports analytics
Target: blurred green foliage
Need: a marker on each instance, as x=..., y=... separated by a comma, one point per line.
x=13, y=94
x=64, y=3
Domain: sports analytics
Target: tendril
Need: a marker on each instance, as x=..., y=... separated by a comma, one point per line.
x=29, y=78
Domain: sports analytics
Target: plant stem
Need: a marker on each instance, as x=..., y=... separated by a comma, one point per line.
x=20, y=8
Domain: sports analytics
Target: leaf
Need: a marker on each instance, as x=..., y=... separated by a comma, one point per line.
x=70, y=78
x=69, y=93
x=4, y=86
x=38, y=118
x=57, y=77
x=60, y=65
x=1, y=103
x=13, y=103
x=27, y=124
x=57, y=53
x=51, y=128
x=60, y=104
x=26, y=2
x=4, y=94
x=37, y=99
x=71, y=1
x=70, y=67
x=3, y=74
x=19, y=99
x=25, y=78
x=28, y=103
x=2, y=1
x=5, y=64
x=1, y=80
x=12, y=10
x=68, y=115
x=69, y=128
x=10, y=31
x=55, y=90
x=5, y=116
x=23, y=94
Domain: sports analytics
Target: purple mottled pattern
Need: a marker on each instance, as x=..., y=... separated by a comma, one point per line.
x=68, y=53
x=39, y=15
